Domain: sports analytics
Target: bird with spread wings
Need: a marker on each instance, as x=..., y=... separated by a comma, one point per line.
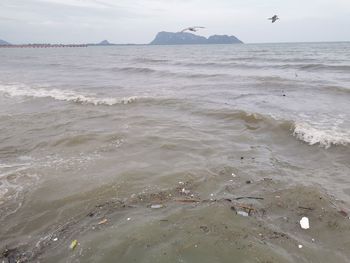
x=274, y=18
x=192, y=29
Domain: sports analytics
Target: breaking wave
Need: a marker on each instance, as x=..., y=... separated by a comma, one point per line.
x=312, y=135
x=63, y=95
x=325, y=138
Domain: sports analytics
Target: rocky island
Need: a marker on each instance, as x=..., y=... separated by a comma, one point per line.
x=184, y=38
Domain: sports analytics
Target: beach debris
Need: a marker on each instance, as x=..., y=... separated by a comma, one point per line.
x=91, y=214
x=304, y=223
x=248, y=182
x=234, y=175
x=242, y=213
x=242, y=210
x=343, y=213
x=205, y=229
x=6, y=253
x=128, y=219
x=157, y=206
x=249, y=197
x=242, y=157
x=188, y=200
x=300, y=246
x=55, y=239
x=306, y=208
x=74, y=244
x=184, y=191
x=104, y=221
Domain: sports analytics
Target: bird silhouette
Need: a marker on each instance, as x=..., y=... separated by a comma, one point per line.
x=274, y=18
x=192, y=29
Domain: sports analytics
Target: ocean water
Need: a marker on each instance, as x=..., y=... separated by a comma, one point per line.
x=175, y=153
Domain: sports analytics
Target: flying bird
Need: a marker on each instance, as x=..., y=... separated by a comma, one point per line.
x=274, y=18
x=193, y=29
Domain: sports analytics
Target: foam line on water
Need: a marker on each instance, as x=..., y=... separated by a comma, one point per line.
x=62, y=95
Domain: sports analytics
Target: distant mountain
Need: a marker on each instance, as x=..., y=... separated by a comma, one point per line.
x=3, y=43
x=107, y=43
x=184, y=38
x=104, y=43
x=224, y=39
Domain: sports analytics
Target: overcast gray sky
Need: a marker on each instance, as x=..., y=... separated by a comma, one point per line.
x=137, y=21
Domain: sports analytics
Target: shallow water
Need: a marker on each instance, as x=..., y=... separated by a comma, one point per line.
x=98, y=133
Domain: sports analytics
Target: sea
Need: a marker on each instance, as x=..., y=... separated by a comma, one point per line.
x=198, y=153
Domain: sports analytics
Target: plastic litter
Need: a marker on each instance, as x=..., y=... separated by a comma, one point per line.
x=186, y=192
x=242, y=213
x=74, y=244
x=157, y=206
x=304, y=223
x=104, y=221
x=300, y=246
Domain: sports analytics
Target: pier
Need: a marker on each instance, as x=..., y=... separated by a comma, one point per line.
x=44, y=46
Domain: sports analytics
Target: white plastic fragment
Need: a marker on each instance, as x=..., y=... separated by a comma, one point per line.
x=128, y=219
x=157, y=206
x=304, y=223
x=186, y=192
x=55, y=239
x=242, y=213
x=300, y=246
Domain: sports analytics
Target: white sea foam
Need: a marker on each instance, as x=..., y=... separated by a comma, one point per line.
x=324, y=137
x=62, y=95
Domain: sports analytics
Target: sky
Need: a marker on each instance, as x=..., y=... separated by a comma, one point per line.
x=138, y=21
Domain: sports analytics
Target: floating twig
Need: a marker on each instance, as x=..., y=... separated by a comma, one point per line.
x=249, y=197
x=188, y=201
x=306, y=208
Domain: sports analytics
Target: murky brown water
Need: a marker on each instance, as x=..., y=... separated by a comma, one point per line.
x=157, y=154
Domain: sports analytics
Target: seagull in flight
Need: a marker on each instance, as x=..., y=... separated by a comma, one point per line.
x=274, y=18
x=192, y=28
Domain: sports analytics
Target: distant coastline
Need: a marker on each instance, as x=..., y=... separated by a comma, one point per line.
x=162, y=38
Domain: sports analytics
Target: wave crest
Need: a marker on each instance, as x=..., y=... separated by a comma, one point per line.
x=326, y=138
x=63, y=95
